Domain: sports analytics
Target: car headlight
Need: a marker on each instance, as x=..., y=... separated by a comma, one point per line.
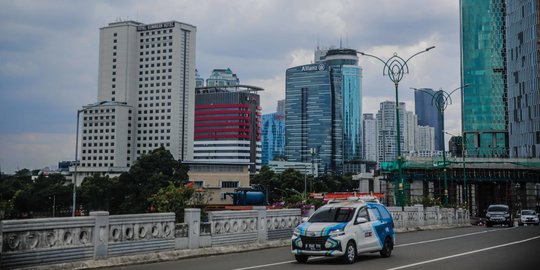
x=487, y=215
x=296, y=232
x=337, y=233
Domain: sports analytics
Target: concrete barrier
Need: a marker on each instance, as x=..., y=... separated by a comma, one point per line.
x=100, y=237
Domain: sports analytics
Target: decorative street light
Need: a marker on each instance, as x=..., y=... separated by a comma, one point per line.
x=395, y=68
x=77, y=153
x=441, y=99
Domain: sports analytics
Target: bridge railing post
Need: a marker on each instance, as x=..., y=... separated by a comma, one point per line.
x=192, y=216
x=262, y=230
x=101, y=234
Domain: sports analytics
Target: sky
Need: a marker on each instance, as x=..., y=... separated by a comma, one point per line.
x=49, y=55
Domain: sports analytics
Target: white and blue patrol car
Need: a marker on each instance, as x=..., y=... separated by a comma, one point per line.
x=345, y=229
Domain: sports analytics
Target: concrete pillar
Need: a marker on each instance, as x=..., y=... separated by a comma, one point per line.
x=262, y=230
x=421, y=215
x=192, y=217
x=438, y=214
x=101, y=234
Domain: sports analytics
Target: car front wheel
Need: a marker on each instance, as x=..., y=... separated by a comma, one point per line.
x=386, y=251
x=301, y=258
x=350, y=253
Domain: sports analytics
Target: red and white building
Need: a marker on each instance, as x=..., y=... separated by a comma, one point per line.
x=228, y=125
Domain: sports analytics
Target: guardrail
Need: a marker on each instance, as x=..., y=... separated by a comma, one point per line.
x=100, y=236
x=413, y=217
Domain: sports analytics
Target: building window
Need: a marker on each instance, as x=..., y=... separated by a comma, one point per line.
x=229, y=184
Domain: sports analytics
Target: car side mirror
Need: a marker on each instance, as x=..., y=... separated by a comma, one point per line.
x=304, y=219
x=361, y=220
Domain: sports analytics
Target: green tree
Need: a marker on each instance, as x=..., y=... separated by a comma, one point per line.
x=175, y=199
x=269, y=180
x=9, y=186
x=38, y=196
x=146, y=177
x=97, y=192
x=292, y=179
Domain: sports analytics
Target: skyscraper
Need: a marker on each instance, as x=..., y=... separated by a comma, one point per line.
x=410, y=130
x=146, y=82
x=222, y=77
x=386, y=127
x=522, y=33
x=369, y=142
x=483, y=67
x=227, y=125
x=425, y=142
x=323, y=110
x=428, y=114
x=273, y=136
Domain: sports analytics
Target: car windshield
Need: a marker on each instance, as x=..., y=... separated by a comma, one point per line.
x=333, y=214
x=528, y=212
x=498, y=208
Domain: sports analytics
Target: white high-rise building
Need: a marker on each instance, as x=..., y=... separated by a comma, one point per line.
x=370, y=137
x=425, y=141
x=409, y=132
x=146, y=95
x=387, y=132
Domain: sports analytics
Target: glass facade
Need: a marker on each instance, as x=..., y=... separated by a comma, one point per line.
x=323, y=105
x=428, y=114
x=273, y=137
x=483, y=64
x=522, y=33
x=310, y=110
x=352, y=113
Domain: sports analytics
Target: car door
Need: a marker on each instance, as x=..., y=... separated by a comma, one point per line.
x=384, y=226
x=366, y=237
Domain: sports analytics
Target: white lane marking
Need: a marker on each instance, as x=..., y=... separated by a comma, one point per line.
x=463, y=254
x=263, y=265
x=403, y=245
x=278, y=263
x=449, y=237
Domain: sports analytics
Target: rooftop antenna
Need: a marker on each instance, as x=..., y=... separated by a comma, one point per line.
x=340, y=42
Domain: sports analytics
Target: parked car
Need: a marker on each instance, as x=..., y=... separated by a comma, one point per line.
x=528, y=217
x=499, y=214
x=345, y=229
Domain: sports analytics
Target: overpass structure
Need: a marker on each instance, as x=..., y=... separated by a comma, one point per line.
x=474, y=182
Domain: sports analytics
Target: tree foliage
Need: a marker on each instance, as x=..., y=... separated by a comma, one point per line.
x=146, y=177
x=175, y=199
x=290, y=184
x=38, y=196
x=97, y=192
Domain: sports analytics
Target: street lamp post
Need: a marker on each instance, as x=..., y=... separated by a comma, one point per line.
x=441, y=99
x=77, y=154
x=395, y=68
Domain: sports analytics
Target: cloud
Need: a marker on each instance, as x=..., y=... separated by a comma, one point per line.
x=35, y=150
x=49, y=53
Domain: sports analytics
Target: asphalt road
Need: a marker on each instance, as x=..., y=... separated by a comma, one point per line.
x=463, y=248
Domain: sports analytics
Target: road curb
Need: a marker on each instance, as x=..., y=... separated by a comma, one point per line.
x=165, y=256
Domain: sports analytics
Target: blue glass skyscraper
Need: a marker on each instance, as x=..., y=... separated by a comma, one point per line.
x=323, y=111
x=483, y=66
x=522, y=32
x=273, y=137
x=428, y=114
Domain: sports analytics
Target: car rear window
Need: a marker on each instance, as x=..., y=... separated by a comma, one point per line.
x=384, y=213
x=498, y=208
x=333, y=214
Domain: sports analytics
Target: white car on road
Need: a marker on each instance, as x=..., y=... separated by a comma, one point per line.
x=345, y=229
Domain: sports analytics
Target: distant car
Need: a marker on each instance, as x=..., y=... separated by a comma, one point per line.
x=528, y=217
x=345, y=229
x=499, y=214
